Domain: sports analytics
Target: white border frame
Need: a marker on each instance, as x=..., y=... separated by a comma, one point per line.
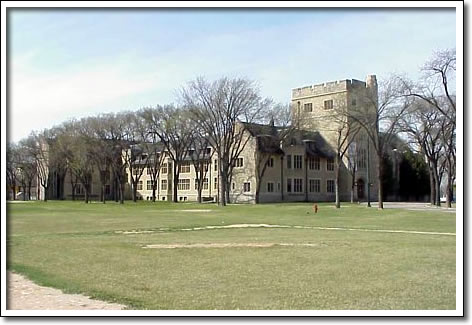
x=458, y=5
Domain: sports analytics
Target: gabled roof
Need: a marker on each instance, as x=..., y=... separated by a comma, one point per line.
x=269, y=138
x=316, y=145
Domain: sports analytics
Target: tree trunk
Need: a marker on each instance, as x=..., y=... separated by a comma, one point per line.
x=437, y=184
x=121, y=189
x=448, y=190
x=135, y=191
x=45, y=193
x=200, y=188
x=154, y=192
x=336, y=180
x=432, y=187
x=380, y=179
x=175, y=181
x=222, y=186
x=86, y=194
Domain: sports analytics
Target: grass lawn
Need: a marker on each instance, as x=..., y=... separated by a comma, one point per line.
x=91, y=249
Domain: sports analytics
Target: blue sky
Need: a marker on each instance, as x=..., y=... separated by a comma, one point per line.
x=75, y=63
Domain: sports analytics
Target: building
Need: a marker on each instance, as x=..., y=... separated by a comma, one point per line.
x=275, y=165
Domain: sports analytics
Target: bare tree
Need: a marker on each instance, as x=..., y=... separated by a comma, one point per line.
x=435, y=91
x=39, y=148
x=200, y=155
x=436, y=83
x=26, y=168
x=170, y=125
x=136, y=157
x=218, y=107
x=268, y=141
x=423, y=125
x=101, y=150
x=12, y=168
x=379, y=116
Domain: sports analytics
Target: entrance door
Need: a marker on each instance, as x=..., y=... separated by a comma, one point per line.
x=360, y=189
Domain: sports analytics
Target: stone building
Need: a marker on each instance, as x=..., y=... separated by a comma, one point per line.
x=276, y=165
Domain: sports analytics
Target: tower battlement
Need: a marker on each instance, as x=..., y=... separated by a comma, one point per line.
x=327, y=87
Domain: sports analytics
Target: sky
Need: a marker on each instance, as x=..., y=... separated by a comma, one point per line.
x=68, y=64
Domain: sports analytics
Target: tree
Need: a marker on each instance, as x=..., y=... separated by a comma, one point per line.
x=422, y=124
x=219, y=107
x=436, y=90
x=38, y=147
x=136, y=157
x=81, y=156
x=12, y=168
x=26, y=168
x=200, y=155
x=170, y=125
x=101, y=150
x=380, y=118
x=280, y=126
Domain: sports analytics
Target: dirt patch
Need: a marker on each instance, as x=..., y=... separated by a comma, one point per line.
x=134, y=232
x=231, y=245
x=23, y=294
x=196, y=210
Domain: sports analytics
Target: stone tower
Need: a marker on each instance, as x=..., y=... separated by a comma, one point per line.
x=326, y=108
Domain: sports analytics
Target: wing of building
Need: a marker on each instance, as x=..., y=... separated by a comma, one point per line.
x=277, y=164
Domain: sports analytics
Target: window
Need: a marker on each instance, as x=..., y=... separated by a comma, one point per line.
x=238, y=162
x=315, y=185
x=215, y=184
x=330, y=186
x=107, y=189
x=314, y=163
x=183, y=184
x=270, y=187
x=289, y=185
x=234, y=186
x=308, y=107
x=148, y=171
x=140, y=186
x=330, y=164
x=216, y=165
x=328, y=104
x=208, y=151
x=184, y=167
x=163, y=198
x=149, y=185
x=164, y=168
x=353, y=102
x=247, y=187
x=289, y=161
x=270, y=162
x=298, y=185
x=164, y=185
x=297, y=161
x=278, y=187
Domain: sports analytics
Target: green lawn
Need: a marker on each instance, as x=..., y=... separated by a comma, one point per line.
x=79, y=248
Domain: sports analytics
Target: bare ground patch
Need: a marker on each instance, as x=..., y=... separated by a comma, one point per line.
x=24, y=294
x=231, y=245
